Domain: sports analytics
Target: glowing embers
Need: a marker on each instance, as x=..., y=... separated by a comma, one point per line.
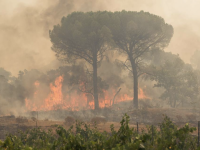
x=57, y=98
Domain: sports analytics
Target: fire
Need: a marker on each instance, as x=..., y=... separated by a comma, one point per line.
x=73, y=100
x=37, y=83
x=142, y=95
x=55, y=98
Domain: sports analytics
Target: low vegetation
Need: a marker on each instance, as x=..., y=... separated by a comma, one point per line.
x=21, y=119
x=83, y=137
x=69, y=120
x=99, y=119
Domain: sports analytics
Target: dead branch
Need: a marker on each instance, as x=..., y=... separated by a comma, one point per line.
x=116, y=95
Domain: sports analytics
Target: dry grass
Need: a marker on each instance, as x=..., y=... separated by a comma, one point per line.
x=98, y=120
x=153, y=114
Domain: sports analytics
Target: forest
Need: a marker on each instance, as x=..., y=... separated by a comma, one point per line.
x=101, y=53
x=108, y=59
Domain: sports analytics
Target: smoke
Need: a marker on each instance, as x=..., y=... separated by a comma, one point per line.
x=24, y=27
x=25, y=43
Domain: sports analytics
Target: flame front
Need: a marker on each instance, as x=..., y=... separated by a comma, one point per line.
x=72, y=101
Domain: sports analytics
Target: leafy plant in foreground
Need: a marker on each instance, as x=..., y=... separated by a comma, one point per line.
x=83, y=137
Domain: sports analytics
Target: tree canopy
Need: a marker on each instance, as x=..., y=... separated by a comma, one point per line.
x=195, y=59
x=179, y=80
x=134, y=34
x=83, y=36
x=88, y=35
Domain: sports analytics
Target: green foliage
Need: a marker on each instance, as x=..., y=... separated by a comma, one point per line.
x=31, y=139
x=89, y=35
x=178, y=79
x=81, y=36
x=86, y=138
x=170, y=137
x=135, y=34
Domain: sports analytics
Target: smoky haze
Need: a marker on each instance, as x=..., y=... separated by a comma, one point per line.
x=25, y=25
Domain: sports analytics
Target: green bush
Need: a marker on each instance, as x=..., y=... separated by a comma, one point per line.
x=86, y=138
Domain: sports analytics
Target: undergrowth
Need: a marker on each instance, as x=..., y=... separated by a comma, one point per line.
x=166, y=137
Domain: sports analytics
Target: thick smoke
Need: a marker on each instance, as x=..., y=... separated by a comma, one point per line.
x=25, y=43
x=24, y=27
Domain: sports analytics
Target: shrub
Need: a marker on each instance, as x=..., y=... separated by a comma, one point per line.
x=21, y=119
x=34, y=119
x=86, y=138
x=98, y=120
x=69, y=120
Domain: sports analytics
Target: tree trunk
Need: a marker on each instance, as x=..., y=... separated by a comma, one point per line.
x=175, y=98
x=96, y=101
x=135, y=84
x=175, y=103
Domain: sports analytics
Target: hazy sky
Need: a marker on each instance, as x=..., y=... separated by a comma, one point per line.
x=25, y=24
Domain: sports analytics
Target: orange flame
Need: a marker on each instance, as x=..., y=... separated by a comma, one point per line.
x=73, y=101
